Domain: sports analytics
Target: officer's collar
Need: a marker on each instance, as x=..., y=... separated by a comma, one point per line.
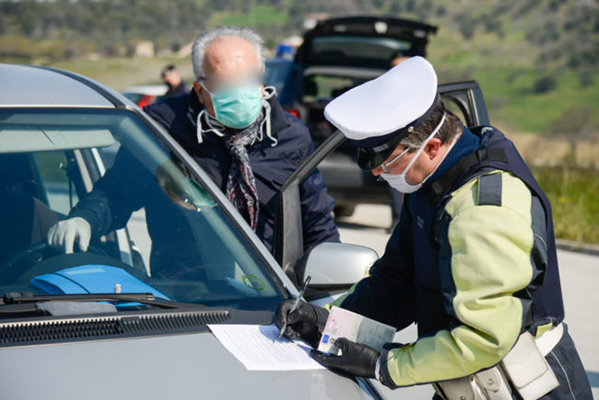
x=466, y=144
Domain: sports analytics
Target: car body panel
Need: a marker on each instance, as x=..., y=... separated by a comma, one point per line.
x=51, y=89
x=192, y=366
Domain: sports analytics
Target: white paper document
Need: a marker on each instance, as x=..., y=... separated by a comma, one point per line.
x=355, y=327
x=259, y=348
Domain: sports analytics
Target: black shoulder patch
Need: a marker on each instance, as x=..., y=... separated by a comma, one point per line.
x=489, y=190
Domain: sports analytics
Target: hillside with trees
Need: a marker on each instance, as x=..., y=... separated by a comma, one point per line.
x=524, y=52
x=556, y=33
x=536, y=60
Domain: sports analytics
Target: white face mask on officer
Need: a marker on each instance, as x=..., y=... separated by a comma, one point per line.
x=398, y=181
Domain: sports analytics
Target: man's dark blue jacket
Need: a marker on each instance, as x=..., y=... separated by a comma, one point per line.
x=272, y=165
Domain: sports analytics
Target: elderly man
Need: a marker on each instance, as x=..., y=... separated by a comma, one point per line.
x=239, y=134
x=472, y=262
x=237, y=131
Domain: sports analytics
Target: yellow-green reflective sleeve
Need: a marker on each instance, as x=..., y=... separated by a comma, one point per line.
x=490, y=261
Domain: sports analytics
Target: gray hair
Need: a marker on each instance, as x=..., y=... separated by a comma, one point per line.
x=201, y=43
x=451, y=127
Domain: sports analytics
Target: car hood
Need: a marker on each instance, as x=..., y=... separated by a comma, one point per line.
x=187, y=366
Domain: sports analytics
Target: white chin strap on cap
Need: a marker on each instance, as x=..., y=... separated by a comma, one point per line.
x=399, y=182
x=421, y=149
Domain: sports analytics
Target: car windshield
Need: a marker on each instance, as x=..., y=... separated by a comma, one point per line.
x=154, y=225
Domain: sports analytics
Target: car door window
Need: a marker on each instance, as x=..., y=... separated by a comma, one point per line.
x=58, y=187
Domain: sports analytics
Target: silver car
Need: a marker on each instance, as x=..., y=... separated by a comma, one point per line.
x=168, y=255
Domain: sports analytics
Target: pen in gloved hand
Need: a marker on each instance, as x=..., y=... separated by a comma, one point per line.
x=294, y=306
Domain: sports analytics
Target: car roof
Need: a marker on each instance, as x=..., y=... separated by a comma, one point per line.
x=53, y=88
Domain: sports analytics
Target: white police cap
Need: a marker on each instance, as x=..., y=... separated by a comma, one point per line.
x=378, y=114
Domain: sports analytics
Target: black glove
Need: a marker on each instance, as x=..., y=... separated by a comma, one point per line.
x=355, y=359
x=306, y=321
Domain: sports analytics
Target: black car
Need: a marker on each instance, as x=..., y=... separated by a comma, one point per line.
x=336, y=55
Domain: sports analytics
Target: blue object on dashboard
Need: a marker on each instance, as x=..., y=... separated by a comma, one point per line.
x=92, y=278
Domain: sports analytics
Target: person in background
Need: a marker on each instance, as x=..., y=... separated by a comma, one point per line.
x=397, y=58
x=172, y=78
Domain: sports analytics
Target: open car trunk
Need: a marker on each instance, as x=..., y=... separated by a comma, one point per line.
x=366, y=41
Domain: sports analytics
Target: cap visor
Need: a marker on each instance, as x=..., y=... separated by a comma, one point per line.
x=370, y=158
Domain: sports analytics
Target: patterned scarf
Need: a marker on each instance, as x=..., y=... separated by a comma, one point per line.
x=241, y=183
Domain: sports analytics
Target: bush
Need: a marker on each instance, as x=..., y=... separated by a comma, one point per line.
x=544, y=84
x=586, y=78
x=574, y=197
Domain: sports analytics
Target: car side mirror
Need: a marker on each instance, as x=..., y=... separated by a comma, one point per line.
x=333, y=266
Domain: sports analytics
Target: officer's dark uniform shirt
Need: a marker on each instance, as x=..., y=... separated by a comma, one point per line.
x=272, y=165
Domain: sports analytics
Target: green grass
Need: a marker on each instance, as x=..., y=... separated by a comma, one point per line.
x=121, y=72
x=506, y=69
x=534, y=112
x=574, y=197
x=509, y=92
x=261, y=16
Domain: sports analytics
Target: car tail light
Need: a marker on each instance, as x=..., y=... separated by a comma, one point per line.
x=293, y=112
x=146, y=100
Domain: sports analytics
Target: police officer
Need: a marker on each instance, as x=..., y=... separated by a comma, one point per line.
x=472, y=261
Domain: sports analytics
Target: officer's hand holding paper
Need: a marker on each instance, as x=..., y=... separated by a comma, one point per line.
x=355, y=359
x=356, y=338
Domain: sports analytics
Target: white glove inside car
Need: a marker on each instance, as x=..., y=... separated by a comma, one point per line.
x=63, y=235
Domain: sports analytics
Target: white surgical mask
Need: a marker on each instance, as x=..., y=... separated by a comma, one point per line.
x=398, y=181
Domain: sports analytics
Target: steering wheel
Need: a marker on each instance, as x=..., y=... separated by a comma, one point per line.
x=26, y=259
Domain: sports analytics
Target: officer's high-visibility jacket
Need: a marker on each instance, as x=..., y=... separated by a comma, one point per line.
x=472, y=262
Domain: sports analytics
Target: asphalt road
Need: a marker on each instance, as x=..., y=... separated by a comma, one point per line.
x=580, y=286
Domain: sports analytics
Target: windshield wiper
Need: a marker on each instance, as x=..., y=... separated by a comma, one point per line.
x=19, y=299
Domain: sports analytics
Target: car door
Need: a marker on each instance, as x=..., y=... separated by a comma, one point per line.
x=464, y=98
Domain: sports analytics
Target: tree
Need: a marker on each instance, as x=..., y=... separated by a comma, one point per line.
x=544, y=84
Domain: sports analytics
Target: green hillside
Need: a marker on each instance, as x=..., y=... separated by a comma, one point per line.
x=536, y=60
